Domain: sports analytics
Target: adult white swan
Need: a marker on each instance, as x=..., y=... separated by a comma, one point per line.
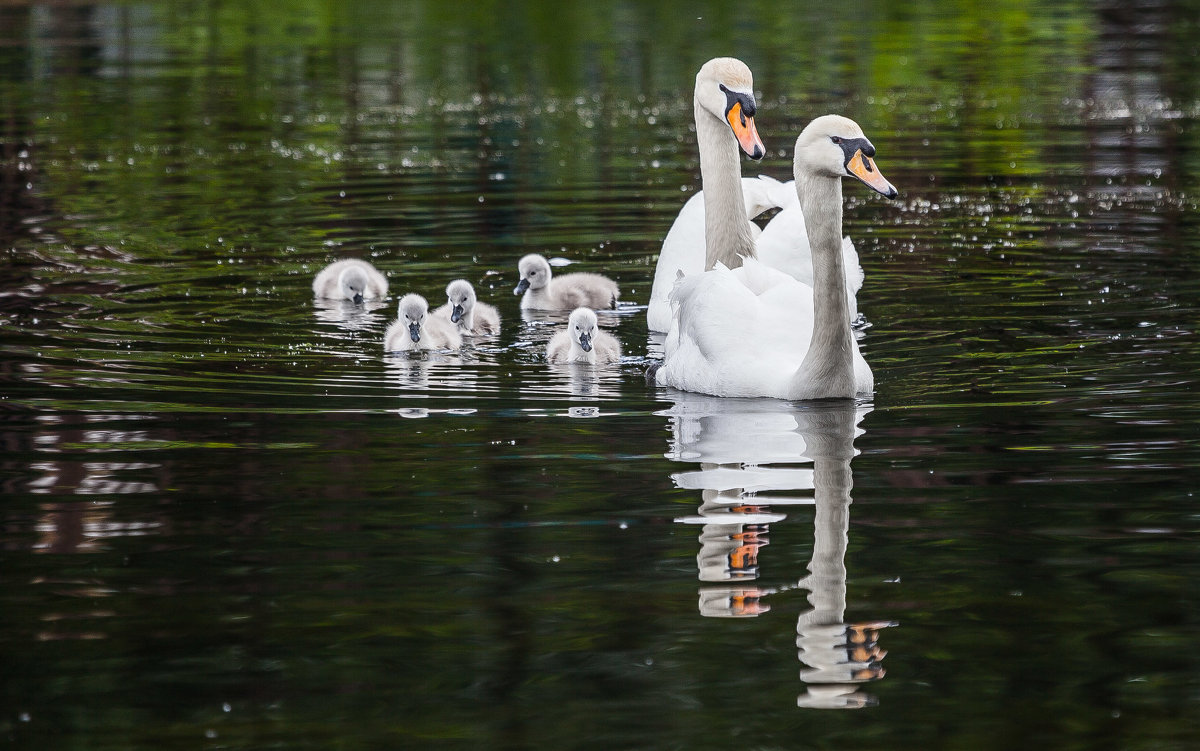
x=755, y=331
x=784, y=242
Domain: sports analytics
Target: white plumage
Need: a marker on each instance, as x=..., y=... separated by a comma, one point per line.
x=544, y=291
x=464, y=310
x=754, y=330
x=745, y=332
x=782, y=244
x=352, y=279
x=583, y=341
x=415, y=329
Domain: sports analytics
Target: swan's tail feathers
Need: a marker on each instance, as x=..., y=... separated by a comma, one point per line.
x=854, y=272
x=764, y=193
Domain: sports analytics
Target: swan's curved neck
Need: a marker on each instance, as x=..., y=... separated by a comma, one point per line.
x=727, y=235
x=828, y=367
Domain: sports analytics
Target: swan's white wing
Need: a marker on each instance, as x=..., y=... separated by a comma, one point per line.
x=764, y=192
x=683, y=248
x=682, y=251
x=737, y=333
x=854, y=272
x=783, y=245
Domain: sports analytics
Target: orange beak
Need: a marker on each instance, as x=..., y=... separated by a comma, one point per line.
x=746, y=133
x=863, y=167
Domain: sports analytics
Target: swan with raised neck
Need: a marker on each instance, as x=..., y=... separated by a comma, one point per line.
x=829, y=148
x=723, y=103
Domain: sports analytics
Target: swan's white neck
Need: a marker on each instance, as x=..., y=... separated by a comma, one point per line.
x=828, y=367
x=727, y=235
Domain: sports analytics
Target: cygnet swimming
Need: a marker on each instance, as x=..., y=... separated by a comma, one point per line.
x=466, y=312
x=415, y=329
x=583, y=341
x=543, y=291
x=350, y=279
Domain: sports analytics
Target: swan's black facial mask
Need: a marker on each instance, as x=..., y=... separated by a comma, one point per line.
x=857, y=153
x=737, y=97
x=851, y=145
x=739, y=113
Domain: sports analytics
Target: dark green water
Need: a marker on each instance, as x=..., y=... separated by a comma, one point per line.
x=230, y=521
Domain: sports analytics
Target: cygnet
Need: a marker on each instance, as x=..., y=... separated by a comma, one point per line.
x=583, y=341
x=543, y=291
x=350, y=279
x=466, y=312
x=415, y=329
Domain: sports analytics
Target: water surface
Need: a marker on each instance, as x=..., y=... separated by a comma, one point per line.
x=231, y=520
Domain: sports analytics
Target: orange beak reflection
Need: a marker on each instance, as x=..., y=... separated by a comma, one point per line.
x=746, y=133
x=863, y=167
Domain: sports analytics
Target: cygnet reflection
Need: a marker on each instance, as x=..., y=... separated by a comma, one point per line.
x=350, y=316
x=421, y=373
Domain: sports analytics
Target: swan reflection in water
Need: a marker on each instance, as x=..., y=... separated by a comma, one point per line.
x=747, y=451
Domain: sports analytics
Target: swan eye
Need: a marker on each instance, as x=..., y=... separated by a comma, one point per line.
x=835, y=139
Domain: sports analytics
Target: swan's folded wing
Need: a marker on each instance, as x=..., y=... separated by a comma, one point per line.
x=783, y=244
x=854, y=271
x=737, y=333
x=682, y=251
x=764, y=193
x=683, y=248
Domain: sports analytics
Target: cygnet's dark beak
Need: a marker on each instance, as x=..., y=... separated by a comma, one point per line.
x=358, y=298
x=414, y=331
x=585, y=342
x=521, y=287
x=456, y=314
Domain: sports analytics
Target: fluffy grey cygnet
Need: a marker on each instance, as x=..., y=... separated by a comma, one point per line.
x=415, y=329
x=543, y=291
x=350, y=279
x=583, y=341
x=466, y=312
